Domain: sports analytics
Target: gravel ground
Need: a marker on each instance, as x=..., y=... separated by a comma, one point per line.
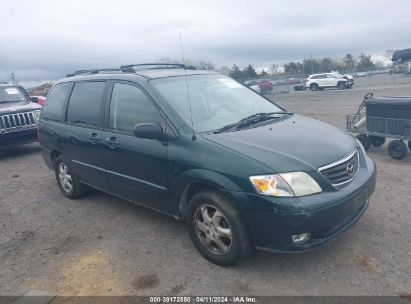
x=100, y=245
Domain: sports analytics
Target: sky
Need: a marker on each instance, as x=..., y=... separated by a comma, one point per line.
x=46, y=39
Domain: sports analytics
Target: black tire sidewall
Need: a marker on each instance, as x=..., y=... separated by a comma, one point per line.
x=314, y=87
x=377, y=141
x=77, y=188
x=401, y=146
x=240, y=237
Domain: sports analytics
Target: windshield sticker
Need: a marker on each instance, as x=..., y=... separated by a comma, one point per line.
x=12, y=91
x=230, y=83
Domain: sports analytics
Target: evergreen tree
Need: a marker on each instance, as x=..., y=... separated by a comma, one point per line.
x=235, y=72
x=249, y=72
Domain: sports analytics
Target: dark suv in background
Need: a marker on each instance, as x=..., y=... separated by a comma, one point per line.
x=18, y=116
x=238, y=169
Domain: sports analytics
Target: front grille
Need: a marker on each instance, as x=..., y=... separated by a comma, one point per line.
x=16, y=122
x=342, y=171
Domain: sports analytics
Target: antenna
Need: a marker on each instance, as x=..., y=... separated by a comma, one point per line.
x=188, y=91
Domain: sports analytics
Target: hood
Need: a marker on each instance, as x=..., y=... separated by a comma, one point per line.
x=13, y=107
x=295, y=144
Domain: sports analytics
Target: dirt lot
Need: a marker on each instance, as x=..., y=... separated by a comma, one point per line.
x=100, y=245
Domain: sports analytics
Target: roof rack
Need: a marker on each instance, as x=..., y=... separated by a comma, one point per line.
x=3, y=82
x=130, y=68
x=93, y=71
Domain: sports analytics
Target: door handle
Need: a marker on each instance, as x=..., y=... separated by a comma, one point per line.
x=94, y=138
x=112, y=142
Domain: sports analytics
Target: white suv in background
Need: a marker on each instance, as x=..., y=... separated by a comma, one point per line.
x=317, y=82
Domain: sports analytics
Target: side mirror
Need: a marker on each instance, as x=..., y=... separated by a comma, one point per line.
x=34, y=99
x=148, y=131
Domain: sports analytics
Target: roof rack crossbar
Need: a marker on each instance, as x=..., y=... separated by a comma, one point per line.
x=93, y=71
x=130, y=67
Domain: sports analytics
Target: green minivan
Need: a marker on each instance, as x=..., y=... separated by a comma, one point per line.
x=239, y=170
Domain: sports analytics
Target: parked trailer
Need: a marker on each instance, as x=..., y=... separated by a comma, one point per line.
x=384, y=117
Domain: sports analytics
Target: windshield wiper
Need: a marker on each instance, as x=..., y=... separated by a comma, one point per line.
x=250, y=120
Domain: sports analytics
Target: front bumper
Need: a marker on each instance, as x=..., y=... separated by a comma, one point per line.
x=350, y=83
x=18, y=137
x=272, y=221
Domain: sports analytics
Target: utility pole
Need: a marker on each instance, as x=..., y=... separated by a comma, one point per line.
x=12, y=79
x=312, y=65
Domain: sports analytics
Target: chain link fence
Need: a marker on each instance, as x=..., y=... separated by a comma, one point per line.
x=363, y=78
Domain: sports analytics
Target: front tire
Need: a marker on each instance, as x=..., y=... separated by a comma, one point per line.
x=67, y=179
x=314, y=87
x=217, y=229
x=365, y=141
x=341, y=85
x=377, y=141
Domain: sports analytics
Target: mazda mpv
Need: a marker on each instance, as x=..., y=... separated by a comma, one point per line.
x=239, y=170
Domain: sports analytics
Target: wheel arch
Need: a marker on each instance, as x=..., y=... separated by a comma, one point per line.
x=53, y=155
x=197, y=180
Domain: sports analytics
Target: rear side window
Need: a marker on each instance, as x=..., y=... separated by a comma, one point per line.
x=85, y=102
x=130, y=106
x=53, y=109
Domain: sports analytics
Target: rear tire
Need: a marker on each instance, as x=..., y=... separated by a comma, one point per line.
x=365, y=141
x=397, y=149
x=377, y=141
x=217, y=229
x=67, y=179
x=409, y=145
x=314, y=87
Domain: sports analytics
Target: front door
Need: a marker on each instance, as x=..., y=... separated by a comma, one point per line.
x=136, y=167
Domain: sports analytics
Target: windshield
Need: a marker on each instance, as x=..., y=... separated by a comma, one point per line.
x=11, y=94
x=216, y=100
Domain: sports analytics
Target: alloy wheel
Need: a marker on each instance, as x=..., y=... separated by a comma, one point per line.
x=65, y=178
x=213, y=229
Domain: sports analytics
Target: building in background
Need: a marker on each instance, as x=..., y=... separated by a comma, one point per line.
x=42, y=90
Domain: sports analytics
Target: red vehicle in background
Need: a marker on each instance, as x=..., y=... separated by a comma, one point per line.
x=266, y=86
x=41, y=100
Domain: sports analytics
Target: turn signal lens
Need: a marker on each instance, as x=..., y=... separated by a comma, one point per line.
x=271, y=185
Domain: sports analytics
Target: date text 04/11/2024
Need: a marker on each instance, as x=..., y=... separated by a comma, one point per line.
x=203, y=299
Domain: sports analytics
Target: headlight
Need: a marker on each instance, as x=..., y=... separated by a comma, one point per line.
x=36, y=115
x=285, y=184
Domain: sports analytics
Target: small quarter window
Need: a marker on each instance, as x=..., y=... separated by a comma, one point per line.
x=53, y=109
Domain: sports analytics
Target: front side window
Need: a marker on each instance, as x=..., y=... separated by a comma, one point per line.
x=130, y=106
x=53, y=109
x=216, y=100
x=85, y=102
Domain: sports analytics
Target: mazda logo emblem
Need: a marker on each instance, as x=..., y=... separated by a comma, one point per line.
x=350, y=169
